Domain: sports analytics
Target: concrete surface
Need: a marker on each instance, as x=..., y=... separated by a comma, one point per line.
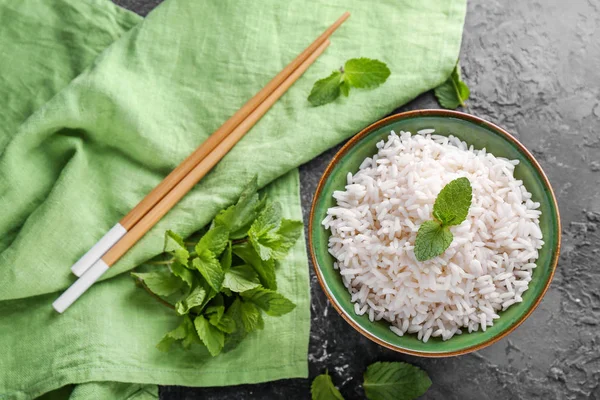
x=534, y=68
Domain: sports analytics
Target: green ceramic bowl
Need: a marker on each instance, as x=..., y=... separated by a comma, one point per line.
x=478, y=133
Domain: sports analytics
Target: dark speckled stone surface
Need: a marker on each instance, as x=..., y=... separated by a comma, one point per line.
x=534, y=68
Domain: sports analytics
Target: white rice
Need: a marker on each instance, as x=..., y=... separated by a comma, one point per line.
x=486, y=269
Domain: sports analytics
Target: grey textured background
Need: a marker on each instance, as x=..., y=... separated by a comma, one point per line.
x=534, y=68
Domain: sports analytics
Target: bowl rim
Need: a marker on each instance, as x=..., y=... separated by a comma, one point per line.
x=428, y=113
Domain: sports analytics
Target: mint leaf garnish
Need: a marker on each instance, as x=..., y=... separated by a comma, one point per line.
x=453, y=92
x=357, y=72
x=322, y=388
x=432, y=240
x=270, y=301
x=212, y=337
x=161, y=282
x=365, y=73
x=451, y=208
x=452, y=203
x=395, y=381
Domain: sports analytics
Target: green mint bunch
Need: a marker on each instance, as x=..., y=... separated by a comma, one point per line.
x=222, y=284
x=382, y=381
x=362, y=73
x=451, y=208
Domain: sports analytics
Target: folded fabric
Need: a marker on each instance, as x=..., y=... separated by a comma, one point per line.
x=99, y=105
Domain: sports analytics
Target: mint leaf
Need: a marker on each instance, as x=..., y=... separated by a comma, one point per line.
x=209, y=268
x=326, y=90
x=174, y=244
x=226, y=257
x=239, y=333
x=287, y=235
x=195, y=299
x=211, y=336
x=161, y=282
x=357, y=72
x=182, y=272
x=432, y=240
x=365, y=73
x=185, y=332
x=225, y=324
x=251, y=317
x=275, y=243
x=267, y=221
x=210, y=294
x=451, y=208
x=263, y=245
x=395, y=381
x=264, y=269
x=178, y=333
x=240, y=279
x=452, y=203
x=345, y=88
x=215, y=313
x=271, y=236
x=237, y=218
x=453, y=92
x=271, y=302
x=215, y=240
x=322, y=388
x=215, y=309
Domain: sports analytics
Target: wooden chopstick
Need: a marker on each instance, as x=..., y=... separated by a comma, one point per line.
x=179, y=173
x=180, y=189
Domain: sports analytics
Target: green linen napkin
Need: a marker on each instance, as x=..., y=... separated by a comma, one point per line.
x=98, y=105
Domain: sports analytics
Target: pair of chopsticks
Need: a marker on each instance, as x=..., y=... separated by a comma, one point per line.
x=120, y=238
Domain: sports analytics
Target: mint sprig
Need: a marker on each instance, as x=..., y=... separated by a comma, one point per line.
x=453, y=92
x=382, y=381
x=451, y=208
x=363, y=73
x=322, y=388
x=221, y=284
x=395, y=381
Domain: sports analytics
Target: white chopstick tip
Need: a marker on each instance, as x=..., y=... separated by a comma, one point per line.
x=80, y=286
x=102, y=246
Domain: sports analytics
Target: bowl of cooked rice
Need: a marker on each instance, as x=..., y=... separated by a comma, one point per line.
x=381, y=187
